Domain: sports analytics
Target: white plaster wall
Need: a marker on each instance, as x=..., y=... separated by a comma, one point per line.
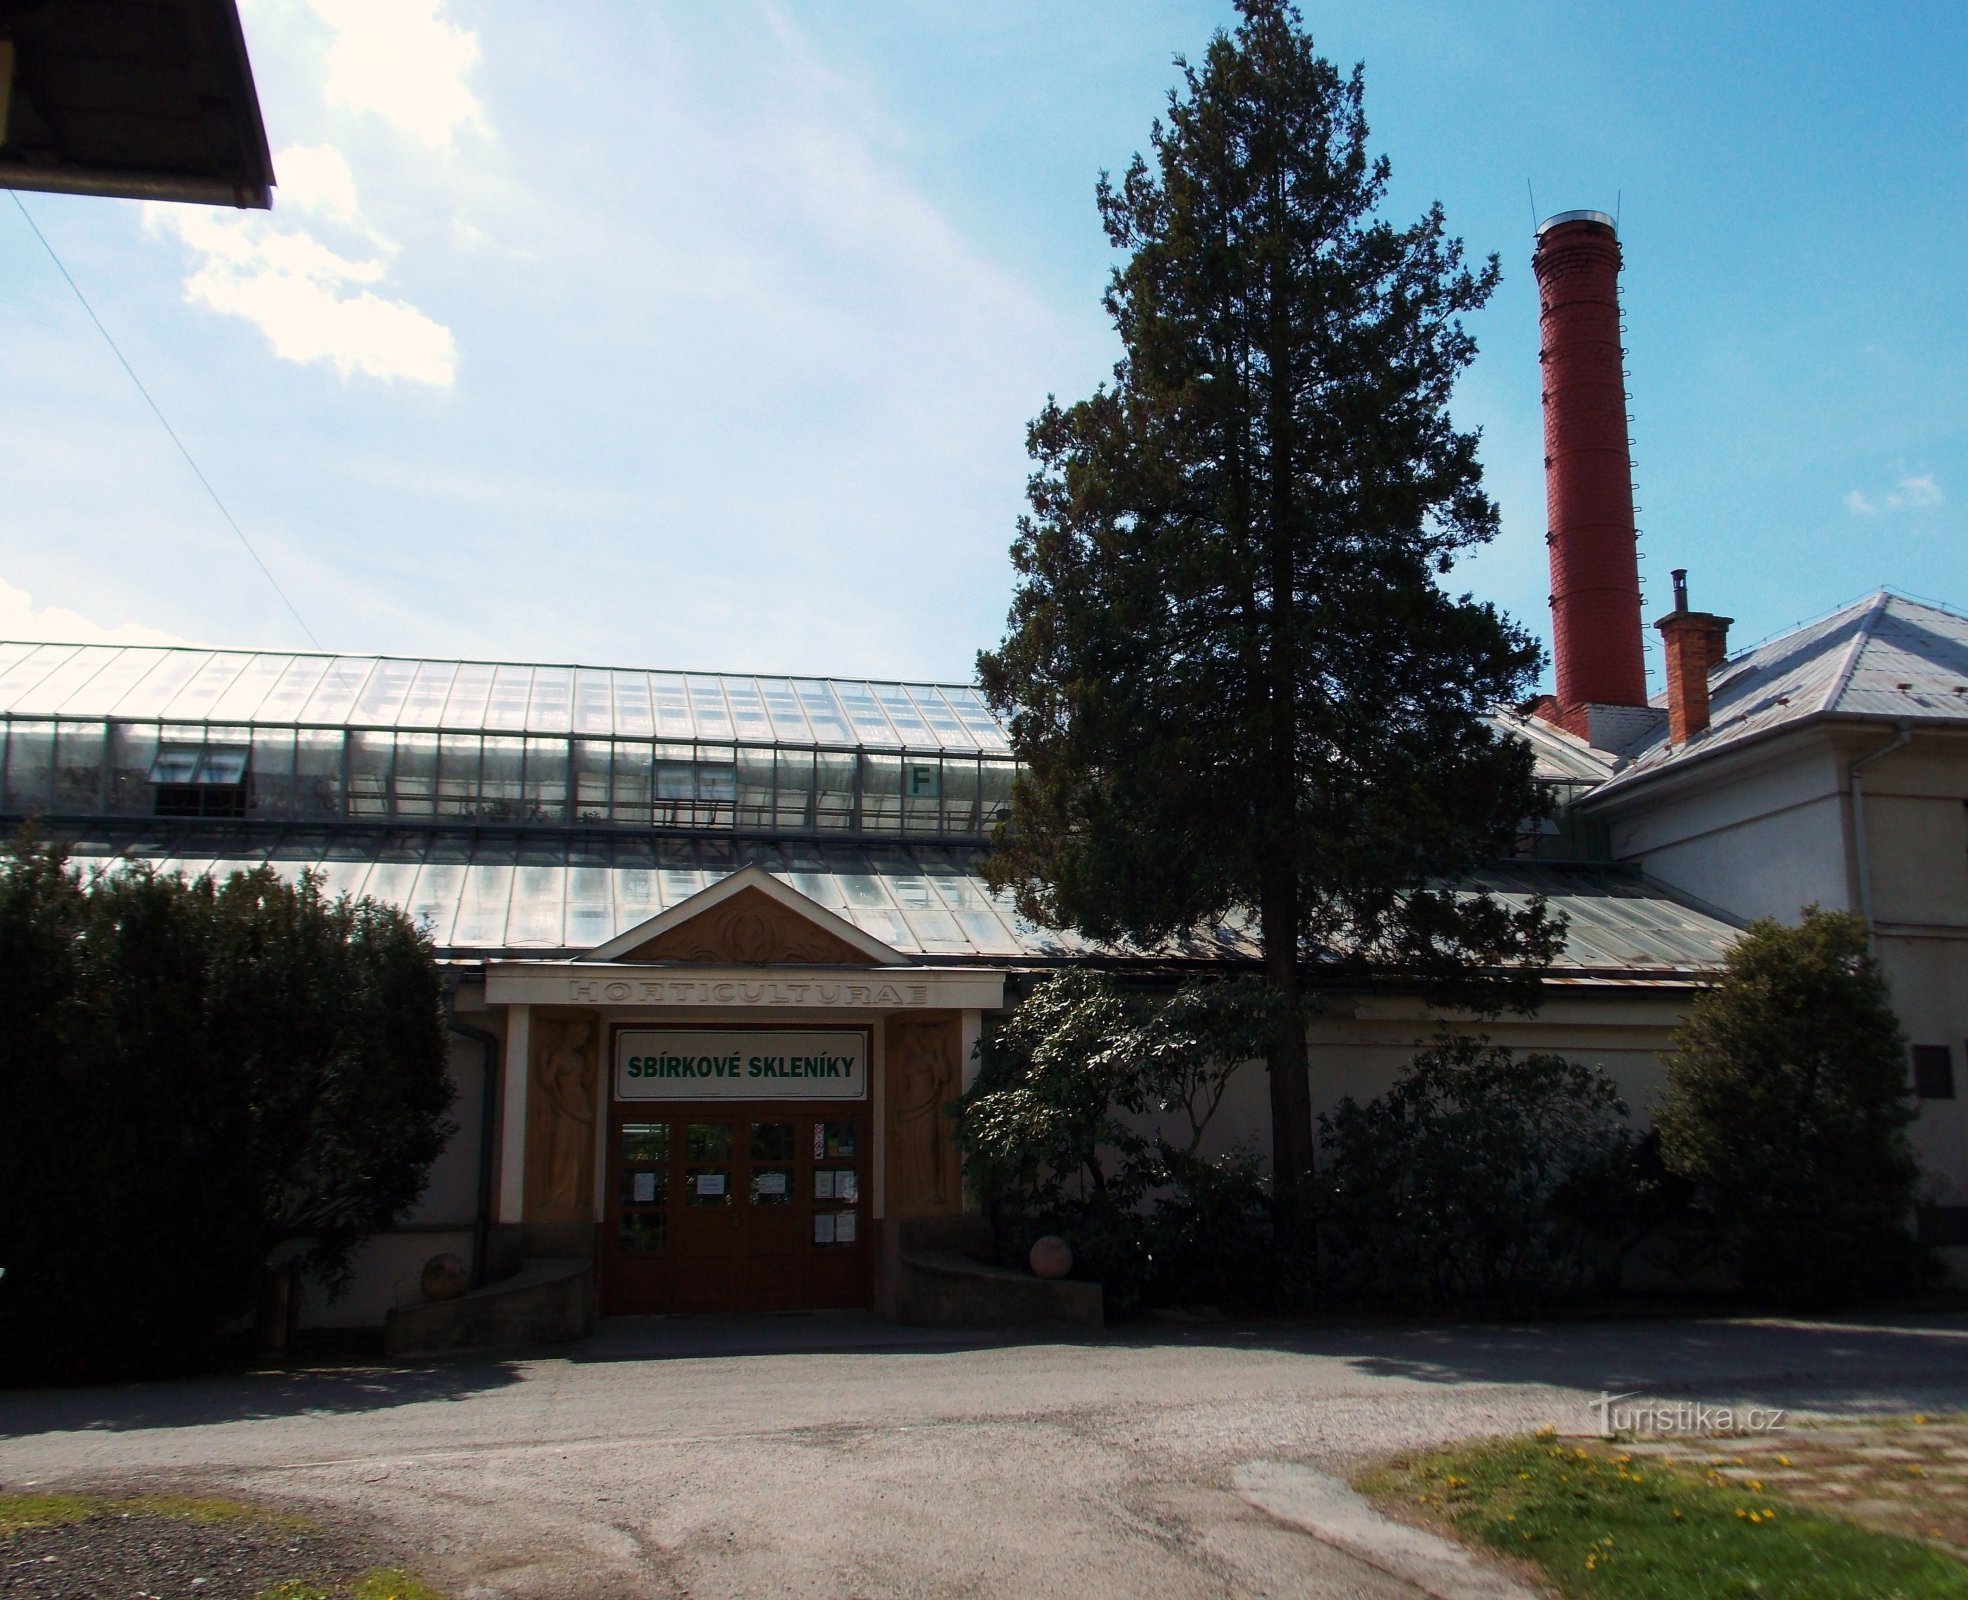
x=1362, y=1054
x=388, y=1269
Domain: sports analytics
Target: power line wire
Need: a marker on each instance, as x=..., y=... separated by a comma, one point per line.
x=197, y=471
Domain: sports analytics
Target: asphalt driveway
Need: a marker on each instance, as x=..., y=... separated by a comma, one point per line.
x=839, y=1456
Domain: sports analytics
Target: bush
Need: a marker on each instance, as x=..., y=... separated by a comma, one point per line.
x=1052, y=1141
x=1786, y=1110
x=198, y=1077
x=1480, y=1177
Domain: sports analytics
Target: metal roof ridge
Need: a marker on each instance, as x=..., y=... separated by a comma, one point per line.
x=489, y=661
x=1860, y=639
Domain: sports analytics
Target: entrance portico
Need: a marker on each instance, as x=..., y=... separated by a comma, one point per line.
x=726, y=1107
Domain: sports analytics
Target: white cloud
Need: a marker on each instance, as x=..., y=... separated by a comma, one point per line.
x=317, y=178
x=402, y=61
x=1917, y=493
x=312, y=303
x=21, y=619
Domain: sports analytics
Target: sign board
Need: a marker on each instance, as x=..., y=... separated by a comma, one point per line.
x=727, y=1064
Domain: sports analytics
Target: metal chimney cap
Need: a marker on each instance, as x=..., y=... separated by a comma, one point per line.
x=1605, y=217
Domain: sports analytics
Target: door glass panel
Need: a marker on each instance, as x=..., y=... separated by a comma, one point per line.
x=772, y=1163
x=642, y=1233
x=832, y=1139
x=645, y=1171
x=707, y=1172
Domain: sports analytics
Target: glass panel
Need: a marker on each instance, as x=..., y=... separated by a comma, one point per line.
x=922, y=794
x=551, y=708
x=414, y=784
x=384, y=692
x=594, y=701
x=642, y=1233
x=881, y=794
x=591, y=779
x=707, y=709
x=834, y=792
x=482, y=906
x=511, y=687
x=538, y=903
x=833, y=1140
x=58, y=691
x=458, y=756
x=464, y=707
x=794, y=803
x=645, y=1142
x=838, y=1184
x=754, y=783
x=336, y=693
x=783, y=708
x=870, y=726
x=590, y=918
x=175, y=764
x=133, y=747
x=902, y=713
x=772, y=1141
x=823, y=712
x=546, y=780
x=635, y=718
x=631, y=781
x=502, y=786
x=318, y=773
x=952, y=731
x=423, y=706
x=293, y=690
x=273, y=774
x=960, y=795
x=772, y=1163
x=707, y=1173
x=369, y=773
x=193, y=703
x=105, y=690
x=670, y=700
x=33, y=668
x=707, y=1142
x=78, y=767
x=994, y=781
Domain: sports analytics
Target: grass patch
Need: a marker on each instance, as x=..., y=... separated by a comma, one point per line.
x=384, y=1583
x=23, y=1513
x=1600, y=1521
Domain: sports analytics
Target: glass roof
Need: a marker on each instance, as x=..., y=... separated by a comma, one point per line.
x=562, y=894
x=192, y=685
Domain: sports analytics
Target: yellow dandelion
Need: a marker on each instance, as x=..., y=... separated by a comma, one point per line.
x=1783, y=1461
x=1677, y=1514
x=1920, y=1420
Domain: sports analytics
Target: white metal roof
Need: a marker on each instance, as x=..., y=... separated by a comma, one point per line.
x=1886, y=657
x=238, y=686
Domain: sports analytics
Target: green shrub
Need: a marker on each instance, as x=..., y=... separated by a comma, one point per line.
x=1480, y=1177
x=1786, y=1110
x=199, y=1076
x=1051, y=1134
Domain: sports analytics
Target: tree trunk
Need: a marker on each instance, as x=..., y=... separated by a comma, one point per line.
x=1291, y=1092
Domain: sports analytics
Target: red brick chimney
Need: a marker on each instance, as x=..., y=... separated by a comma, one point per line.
x=1597, y=638
x=1696, y=643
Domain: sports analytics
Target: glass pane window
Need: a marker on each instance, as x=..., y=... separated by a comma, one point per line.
x=707, y=1169
x=642, y=1232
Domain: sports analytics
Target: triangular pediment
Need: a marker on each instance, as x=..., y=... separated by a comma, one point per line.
x=749, y=919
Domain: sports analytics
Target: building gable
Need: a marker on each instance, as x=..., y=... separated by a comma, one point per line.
x=748, y=919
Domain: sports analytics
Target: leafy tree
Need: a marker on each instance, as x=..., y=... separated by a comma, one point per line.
x=1479, y=1176
x=199, y=1076
x=1232, y=677
x=1787, y=1107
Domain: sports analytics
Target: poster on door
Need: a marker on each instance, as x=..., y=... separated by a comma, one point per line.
x=724, y=1064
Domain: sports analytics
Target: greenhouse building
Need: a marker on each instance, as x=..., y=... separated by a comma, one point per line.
x=720, y=948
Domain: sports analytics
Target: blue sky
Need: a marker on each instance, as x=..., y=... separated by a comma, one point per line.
x=705, y=336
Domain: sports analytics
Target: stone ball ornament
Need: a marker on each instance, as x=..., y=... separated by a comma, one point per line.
x=1052, y=1257
x=445, y=1277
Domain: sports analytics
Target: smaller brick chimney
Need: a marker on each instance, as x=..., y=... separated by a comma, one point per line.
x=1696, y=643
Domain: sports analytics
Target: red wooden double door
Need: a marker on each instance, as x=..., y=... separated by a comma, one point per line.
x=737, y=1207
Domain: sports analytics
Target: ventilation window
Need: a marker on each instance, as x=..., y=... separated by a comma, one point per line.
x=1933, y=1072
x=200, y=780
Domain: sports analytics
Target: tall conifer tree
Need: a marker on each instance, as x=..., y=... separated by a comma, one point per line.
x=1236, y=684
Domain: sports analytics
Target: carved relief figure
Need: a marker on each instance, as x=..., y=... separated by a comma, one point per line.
x=565, y=1072
x=922, y=1161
